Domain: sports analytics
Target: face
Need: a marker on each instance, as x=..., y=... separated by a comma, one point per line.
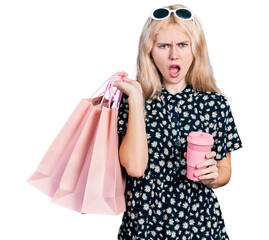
x=173, y=56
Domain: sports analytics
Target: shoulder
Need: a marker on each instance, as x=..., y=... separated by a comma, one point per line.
x=213, y=100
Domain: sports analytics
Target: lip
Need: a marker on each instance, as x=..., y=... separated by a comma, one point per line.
x=172, y=70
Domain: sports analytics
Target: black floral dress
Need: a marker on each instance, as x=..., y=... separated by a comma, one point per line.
x=164, y=204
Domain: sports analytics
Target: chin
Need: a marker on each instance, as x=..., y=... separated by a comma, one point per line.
x=171, y=80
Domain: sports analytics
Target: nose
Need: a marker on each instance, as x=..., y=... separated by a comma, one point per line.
x=174, y=54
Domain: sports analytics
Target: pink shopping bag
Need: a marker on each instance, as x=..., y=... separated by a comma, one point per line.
x=81, y=169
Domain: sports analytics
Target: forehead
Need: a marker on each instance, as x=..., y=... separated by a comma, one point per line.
x=171, y=33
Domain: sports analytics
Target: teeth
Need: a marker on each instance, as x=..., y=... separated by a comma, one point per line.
x=175, y=67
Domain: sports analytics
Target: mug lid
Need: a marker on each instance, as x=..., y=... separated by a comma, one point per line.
x=200, y=138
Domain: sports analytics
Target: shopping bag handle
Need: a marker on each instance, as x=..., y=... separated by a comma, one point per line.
x=112, y=95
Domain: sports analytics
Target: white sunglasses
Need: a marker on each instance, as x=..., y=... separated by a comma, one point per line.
x=162, y=13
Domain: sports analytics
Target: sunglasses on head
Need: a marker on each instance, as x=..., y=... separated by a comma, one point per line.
x=162, y=13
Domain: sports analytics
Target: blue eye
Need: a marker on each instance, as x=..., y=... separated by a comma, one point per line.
x=163, y=46
x=183, y=44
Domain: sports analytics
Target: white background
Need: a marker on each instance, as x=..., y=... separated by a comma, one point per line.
x=53, y=53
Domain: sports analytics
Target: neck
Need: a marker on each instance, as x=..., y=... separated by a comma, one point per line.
x=174, y=88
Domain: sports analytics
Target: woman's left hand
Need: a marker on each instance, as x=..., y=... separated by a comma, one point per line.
x=208, y=175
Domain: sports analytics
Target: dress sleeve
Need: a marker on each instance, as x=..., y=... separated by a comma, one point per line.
x=123, y=115
x=227, y=138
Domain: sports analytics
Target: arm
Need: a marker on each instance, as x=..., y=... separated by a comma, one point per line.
x=218, y=173
x=133, y=150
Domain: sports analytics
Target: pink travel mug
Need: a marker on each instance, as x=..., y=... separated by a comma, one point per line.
x=199, y=144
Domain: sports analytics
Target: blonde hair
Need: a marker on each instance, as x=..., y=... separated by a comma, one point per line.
x=200, y=74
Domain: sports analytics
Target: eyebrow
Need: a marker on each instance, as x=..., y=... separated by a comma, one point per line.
x=164, y=42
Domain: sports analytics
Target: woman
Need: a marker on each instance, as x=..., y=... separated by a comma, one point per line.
x=175, y=94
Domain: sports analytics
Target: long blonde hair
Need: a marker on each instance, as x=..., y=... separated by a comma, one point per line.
x=200, y=74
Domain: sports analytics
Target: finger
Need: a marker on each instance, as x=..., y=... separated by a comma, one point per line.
x=126, y=79
x=211, y=176
x=205, y=171
x=185, y=155
x=211, y=155
x=123, y=86
x=206, y=163
x=119, y=84
x=121, y=74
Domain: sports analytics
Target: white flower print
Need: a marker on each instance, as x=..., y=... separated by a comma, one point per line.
x=205, y=97
x=166, y=132
x=154, y=124
x=144, y=197
x=194, y=207
x=147, y=188
x=158, y=135
x=166, y=151
x=191, y=222
x=157, y=169
x=137, y=194
x=190, y=99
x=219, y=148
x=211, y=125
x=146, y=207
x=162, y=163
x=172, y=201
x=185, y=114
x=185, y=225
x=169, y=164
x=181, y=102
x=187, y=127
x=181, y=214
x=236, y=146
x=171, y=221
x=211, y=103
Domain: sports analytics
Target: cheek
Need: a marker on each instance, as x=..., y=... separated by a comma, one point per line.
x=188, y=58
x=158, y=59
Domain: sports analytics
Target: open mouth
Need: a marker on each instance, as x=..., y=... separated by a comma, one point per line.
x=174, y=70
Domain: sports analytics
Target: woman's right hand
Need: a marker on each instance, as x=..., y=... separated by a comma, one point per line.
x=128, y=86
